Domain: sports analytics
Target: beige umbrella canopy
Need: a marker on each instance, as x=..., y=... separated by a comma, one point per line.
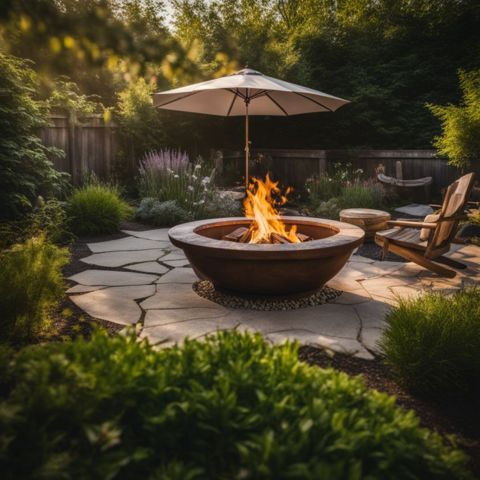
x=247, y=92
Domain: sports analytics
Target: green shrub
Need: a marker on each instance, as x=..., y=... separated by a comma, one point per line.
x=366, y=194
x=25, y=168
x=169, y=175
x=432, y=343
x=230, y=407
x=166, y=214
x=329, y=209
x=96, y=208
x=30, y=283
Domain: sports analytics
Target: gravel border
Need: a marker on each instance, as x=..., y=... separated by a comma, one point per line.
x=205, y=289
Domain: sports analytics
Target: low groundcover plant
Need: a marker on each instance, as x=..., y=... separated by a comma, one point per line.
x=229, y=407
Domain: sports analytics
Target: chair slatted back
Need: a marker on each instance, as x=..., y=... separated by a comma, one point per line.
x=454, y=204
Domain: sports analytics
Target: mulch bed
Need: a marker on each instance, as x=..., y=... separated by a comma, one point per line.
x=457, y=416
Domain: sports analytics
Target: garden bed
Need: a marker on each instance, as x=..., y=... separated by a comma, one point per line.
x=459, y=417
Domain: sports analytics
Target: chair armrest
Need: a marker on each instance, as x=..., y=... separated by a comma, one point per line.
x=434, y=206
x=409, y=224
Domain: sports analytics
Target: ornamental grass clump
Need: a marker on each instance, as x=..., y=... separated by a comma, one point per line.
x=31, y=283
x=168, y=175
x=231, y=406
x=96, y=208
x=432, y=343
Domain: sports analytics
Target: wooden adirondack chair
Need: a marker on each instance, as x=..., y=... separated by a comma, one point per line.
x=405, y=239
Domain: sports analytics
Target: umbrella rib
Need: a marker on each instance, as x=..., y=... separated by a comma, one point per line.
x=181, y=98
x=276, y=103
x=314, y=101
x=231, y=105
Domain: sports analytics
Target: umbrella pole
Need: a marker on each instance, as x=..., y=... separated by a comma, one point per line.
x=247, y=146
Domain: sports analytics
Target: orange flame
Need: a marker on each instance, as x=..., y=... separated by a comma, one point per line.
x=260, y=207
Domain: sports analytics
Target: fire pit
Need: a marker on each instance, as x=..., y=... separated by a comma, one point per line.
x=264, y=253
x=271, y=269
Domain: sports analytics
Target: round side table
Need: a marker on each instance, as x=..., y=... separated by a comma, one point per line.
x=370, y=220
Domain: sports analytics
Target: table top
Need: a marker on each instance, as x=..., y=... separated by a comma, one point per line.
x=360, y=213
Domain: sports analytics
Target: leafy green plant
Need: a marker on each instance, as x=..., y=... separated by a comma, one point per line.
x=227, y=407
x=25, y=169
x=30, y=283
x=166, y=213
x=96, y=208
x=362, y=194
x=432, y=342
x=328, y=209
x=331, y=183
x=169, y=175
x=460, y=138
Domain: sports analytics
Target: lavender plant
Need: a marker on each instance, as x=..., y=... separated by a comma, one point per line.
x=169, y=175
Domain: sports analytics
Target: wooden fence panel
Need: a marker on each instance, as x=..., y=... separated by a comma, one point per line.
x=90, y=145
x=293, y=167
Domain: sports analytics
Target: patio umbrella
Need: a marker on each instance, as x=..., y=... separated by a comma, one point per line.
x=247, y=92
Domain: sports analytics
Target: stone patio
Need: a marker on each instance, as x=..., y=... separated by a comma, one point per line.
x=151, y=286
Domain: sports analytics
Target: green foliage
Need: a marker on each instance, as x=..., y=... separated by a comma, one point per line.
x=139, y=120
x=96, y=208
x=331, y=183
x=366, y=194
x=67, y=98
x=229, y=407
x=432, y=343
x=167, y=213
x=328, y=209
x=388, y=57
x=169, y=175
x=25, y=170
x=460, y=138
x=31, y=282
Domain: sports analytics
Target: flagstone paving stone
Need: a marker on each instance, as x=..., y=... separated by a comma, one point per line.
x=148, y=267
x=118, y=259
x=167, y=309
x=112, y=278
x=156, y=234
x=124, y=244
x=179, y=275
x=114, y=304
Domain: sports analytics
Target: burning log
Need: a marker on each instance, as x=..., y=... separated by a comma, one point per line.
x=240, y=235
x=243, y=235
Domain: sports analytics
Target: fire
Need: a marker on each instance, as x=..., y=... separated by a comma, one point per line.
x=260, y=207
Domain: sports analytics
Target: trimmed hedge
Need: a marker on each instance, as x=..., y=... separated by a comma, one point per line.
x=229, y=407
x=432, y=343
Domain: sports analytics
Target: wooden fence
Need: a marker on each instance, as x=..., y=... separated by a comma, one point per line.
x=92, y=145
x=89, y=144
x=293, y=167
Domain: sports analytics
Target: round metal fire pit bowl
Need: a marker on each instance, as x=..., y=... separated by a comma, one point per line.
x=262, y=268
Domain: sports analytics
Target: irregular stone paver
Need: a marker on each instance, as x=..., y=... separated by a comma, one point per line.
x=340, y=345
x=118, y=259
x=156, y=234
x=112, y=278
x=148, y=267
x=83, y=288
x=175, y=295
x=192, y=329
x=174, y=256
x=114, y=304
x=176, y=263
x=353, y=324
x=125, y=244
x=156, y=318
x=179, y=275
